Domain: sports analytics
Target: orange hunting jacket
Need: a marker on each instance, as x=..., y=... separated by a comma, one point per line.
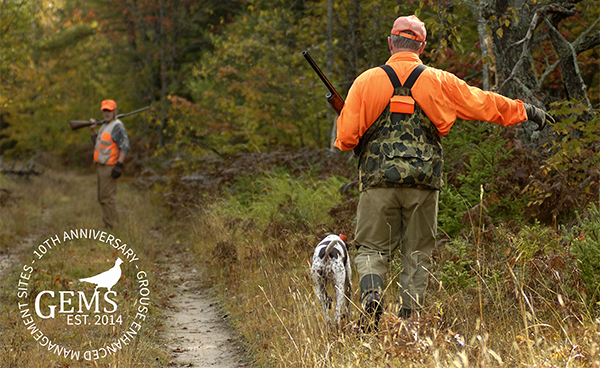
x=442, y=96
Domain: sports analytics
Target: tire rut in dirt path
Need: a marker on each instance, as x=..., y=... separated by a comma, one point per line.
x=13, y=254
x=196, y=332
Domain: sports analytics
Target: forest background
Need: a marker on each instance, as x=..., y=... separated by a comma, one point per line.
x=236, y=109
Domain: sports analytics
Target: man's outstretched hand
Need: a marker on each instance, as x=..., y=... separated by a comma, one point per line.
x=538, y=116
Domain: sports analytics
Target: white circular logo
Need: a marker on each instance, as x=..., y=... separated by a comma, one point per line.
x=87, y=308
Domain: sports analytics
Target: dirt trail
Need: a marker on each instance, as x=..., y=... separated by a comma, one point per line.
x=196, y=331
x=11, y=255
x=6, y=261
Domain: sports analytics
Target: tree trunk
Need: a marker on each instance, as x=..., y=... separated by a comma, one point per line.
x=571, y=75
x=514, y=29
x=483, y=41
x=513, y=63
x=352, y=43
x=329, y=69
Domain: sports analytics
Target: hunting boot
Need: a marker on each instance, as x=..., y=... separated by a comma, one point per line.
x=371, y=300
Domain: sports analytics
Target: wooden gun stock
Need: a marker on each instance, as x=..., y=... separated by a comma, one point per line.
x=78, y=124
x=335, y=100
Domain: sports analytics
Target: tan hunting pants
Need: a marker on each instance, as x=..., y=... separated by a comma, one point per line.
x=387, y=218
x=107, y=195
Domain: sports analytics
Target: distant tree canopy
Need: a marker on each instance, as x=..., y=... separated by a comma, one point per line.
x=227, y=75
x=78, y=53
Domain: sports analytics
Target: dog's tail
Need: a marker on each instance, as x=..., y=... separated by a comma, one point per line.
x=330, y=248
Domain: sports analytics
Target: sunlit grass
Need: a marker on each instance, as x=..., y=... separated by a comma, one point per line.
x=46, y=206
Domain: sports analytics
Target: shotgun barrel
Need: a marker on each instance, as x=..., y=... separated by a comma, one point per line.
x=333, y=97
x=77, y=124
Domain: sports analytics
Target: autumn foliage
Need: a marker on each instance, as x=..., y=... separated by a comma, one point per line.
x=238, y=139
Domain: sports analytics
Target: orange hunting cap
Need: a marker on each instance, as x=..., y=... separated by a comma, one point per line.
x=410, y=23
x=108, y=105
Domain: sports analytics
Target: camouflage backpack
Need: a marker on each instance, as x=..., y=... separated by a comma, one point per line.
x=402, y=147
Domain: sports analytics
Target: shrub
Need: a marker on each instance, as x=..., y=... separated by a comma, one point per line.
x=569, y=178
x=279, y=197
x=585, y=244
x=474, y=153
x=456, y=273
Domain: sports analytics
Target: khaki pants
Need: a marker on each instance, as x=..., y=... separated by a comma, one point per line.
x=107, y=195
x=388, y=217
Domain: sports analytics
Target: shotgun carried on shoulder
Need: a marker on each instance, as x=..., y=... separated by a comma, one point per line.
x=334, y=98
x=77, y=124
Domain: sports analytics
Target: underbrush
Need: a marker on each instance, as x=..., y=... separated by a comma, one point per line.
x=505, y=295
x=277, y=197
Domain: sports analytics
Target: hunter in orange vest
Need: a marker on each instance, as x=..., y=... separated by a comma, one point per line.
x=401, y=160
x=111, y=147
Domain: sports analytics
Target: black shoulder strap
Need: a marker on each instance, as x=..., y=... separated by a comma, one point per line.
x=412, y=78
x=392, y=75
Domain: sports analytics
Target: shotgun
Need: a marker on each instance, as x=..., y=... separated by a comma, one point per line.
x=334, y=98
x=77, y=124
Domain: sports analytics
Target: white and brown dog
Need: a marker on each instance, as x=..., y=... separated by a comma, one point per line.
x=331, y=264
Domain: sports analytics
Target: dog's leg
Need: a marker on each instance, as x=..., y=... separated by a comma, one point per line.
x=348, y=291
x=321, y=293
x=348, y=297
x=340, y=294
x=340, y=302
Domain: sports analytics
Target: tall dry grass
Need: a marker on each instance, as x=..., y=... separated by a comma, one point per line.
x=58, y=201
x=499, y=297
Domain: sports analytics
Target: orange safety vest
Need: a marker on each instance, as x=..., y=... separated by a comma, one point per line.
x=106, y=151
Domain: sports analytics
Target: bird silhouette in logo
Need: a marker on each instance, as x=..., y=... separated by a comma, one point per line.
x=106, y=279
